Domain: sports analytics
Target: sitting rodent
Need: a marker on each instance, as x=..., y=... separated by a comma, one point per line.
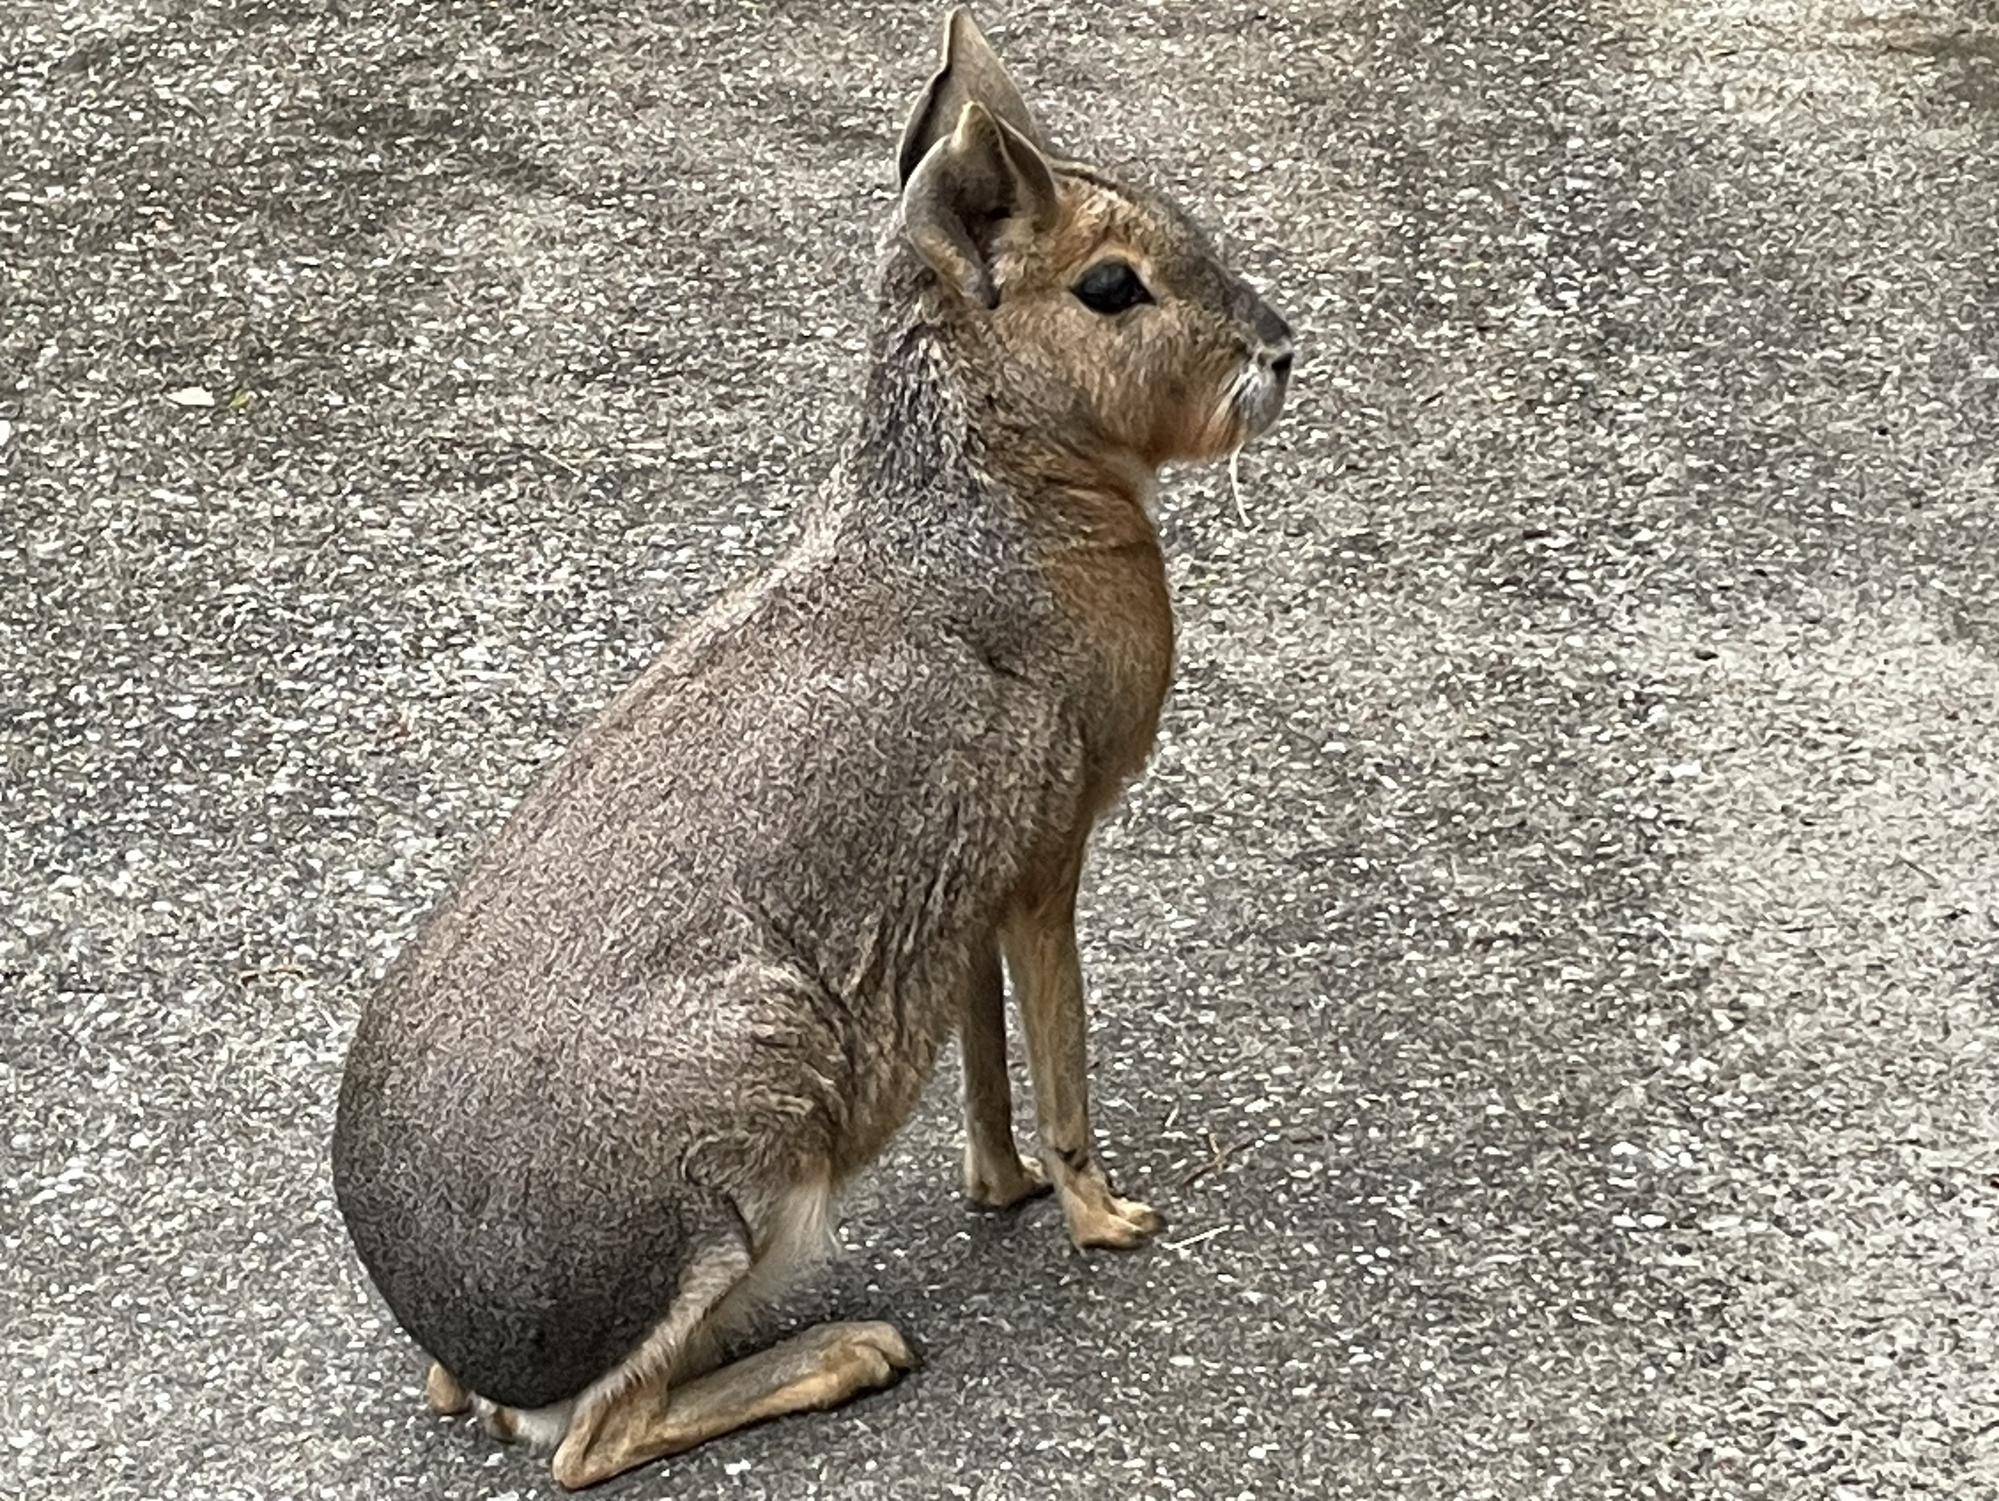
x=603, y=1102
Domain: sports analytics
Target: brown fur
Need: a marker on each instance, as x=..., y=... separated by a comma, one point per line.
x=1162, y=398
x=599, y=1109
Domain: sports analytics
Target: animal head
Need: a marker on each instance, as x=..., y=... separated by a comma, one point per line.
x=1109, y=293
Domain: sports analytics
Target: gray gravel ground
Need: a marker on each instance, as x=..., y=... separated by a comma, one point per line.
x=1549, y=974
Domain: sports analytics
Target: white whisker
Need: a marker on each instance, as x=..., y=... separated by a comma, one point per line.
x=1229, y=416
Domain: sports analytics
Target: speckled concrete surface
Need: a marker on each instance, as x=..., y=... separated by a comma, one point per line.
x=1549, y=976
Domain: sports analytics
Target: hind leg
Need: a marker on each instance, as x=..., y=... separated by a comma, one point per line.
x=820, y=1368
x=717, y=1265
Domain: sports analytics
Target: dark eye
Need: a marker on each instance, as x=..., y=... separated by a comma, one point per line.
x=1111, y=288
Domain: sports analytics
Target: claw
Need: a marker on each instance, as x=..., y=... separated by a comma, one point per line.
x=1115, y=1224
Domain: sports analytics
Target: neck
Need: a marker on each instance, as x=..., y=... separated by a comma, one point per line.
x=945, y=421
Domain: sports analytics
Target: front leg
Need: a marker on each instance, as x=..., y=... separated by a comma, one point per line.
x=996, y=1175
x=1048, y=976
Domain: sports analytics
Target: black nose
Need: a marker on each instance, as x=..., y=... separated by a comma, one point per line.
x=1281, y=366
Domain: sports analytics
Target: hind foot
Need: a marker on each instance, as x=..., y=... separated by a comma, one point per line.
x=820, y=1368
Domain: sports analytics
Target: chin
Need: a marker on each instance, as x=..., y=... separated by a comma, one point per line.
x=1212, y=441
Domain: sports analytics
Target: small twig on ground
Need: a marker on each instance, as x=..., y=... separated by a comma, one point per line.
x=553, y=458
x=1219, y=1156
x=1927, y=874
x=270, y=972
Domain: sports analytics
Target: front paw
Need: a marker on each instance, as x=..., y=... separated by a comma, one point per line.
x=1098, y=1218
x=1000, y=1184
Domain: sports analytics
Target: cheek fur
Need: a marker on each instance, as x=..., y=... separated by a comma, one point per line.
x=1159, y=384
x=1203, y=419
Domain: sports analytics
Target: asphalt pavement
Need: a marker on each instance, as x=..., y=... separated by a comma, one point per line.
x=1548, y=975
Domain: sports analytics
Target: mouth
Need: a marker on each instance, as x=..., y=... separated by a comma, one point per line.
x=1243, y=408
x=1258, y=395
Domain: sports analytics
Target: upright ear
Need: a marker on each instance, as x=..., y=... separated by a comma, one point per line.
x=985, y=171
x=968, y=72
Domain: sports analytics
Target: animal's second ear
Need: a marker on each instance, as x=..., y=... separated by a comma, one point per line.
x=983, y=173
x=968, y=72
